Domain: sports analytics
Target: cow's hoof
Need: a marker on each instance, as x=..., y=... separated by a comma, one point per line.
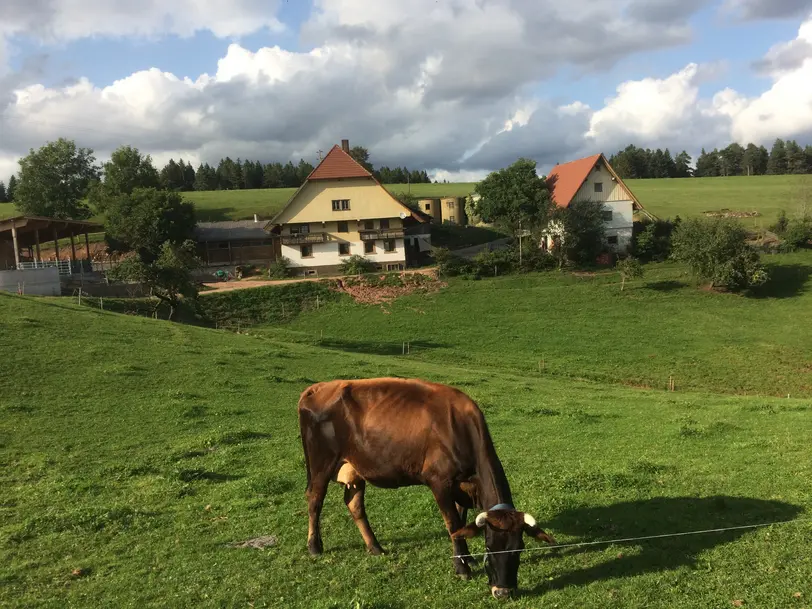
x=462, y=570
x=314, y=547
x=376, y=551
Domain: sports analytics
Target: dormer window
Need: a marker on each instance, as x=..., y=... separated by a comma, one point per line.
x=341, y=204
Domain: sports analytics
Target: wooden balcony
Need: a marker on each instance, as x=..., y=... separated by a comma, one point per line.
x=305, y=238
x=381, y=233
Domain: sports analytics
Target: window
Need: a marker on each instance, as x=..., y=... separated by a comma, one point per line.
x=341, y=204
x=307, y=251
x=384, y=224
x=428, y=206
x=343, y=249
x=369, y=224
x=450, y=204
x=612, y=240
x=389, y=245
x=451, y=219
x=607, y=216
x=394, y=267
x=369, y=247
x=299, y=229
x=598, y=186
x=343, y=227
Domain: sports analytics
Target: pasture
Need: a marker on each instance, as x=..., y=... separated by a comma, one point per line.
x=136, y=453
x=690, y=197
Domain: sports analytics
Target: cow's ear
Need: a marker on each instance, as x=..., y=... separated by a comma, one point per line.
x=466, y=532
x=540, y=534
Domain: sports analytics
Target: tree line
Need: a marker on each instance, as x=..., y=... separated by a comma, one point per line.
x=786, y=157
x=228, y=174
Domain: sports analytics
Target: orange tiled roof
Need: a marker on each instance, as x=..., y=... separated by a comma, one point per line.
x=338, y=164
x=565, y=180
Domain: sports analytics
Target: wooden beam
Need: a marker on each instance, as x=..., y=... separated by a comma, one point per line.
x=87, y=247
x=72, y=248
x=36, y=237
x=16, y=245
x=56, y=244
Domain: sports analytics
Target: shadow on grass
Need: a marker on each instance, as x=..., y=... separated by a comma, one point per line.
x=669, y=285
x=657, y=516
x=786, y=281
x=192, y=475
x=213, y=214
x=374, y=348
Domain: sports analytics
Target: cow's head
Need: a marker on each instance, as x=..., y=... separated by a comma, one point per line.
x=504, y=530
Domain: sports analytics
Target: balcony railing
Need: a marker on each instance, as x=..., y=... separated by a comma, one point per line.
x=304, y=238
x=381, y=233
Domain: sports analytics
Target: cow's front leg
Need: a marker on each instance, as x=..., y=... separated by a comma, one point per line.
x=448, y=508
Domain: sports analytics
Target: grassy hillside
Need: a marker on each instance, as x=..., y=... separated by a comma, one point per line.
x=585, y=327
x=130, y=469
x=665, y=198
x=242, y=204
x=691, y=197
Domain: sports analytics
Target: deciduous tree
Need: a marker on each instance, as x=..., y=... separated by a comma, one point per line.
x=55, y=179
x=716, y=250
x=145, y=219
x=515, y=194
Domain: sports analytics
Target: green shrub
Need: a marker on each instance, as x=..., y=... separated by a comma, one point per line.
x=798, y=233
x=652, y=240
x=780, y=227
x=357, y=265
x=716, y=250
x=279, y=268
x=449, y=264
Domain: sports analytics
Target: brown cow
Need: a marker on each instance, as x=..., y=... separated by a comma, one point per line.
x=394, y=432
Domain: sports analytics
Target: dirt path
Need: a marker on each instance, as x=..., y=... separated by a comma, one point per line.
x=244, y=284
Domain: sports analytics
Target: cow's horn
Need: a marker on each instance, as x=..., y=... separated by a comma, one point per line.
x=481, y=518
x=529, y=520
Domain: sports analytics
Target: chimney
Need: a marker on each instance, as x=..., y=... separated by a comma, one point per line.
x=345, y=146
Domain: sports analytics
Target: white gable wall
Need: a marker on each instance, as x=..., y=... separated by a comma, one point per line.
x=615, y=198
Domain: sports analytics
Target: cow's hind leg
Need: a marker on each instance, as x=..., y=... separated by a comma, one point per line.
x=445, y=501
x=321, y=463
x=354, y=498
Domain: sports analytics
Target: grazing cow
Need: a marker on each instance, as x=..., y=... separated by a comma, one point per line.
x=394, y=432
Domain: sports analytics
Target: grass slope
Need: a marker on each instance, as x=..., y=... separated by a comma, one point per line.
x=160, y=444
x=585, y=327
x=690, y=197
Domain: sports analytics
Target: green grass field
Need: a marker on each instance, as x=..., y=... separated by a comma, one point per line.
x=690, y=197
x=665, y=198
x=136, y=451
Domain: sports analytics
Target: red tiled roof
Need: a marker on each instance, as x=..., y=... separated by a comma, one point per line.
x=338, y=164
x=565, y=180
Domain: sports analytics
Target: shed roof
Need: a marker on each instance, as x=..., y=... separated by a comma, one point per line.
x=30, y=227
x=230, y=230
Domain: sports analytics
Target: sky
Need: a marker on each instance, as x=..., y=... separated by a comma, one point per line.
x=456, y=87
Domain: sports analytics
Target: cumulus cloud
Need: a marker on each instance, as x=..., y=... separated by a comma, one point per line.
x=669, y=112
x=769, y=9
x=454, y=91
x=52, y=21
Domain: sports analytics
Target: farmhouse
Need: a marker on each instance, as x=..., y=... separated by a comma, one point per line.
x=593, y=179
x=341, y=210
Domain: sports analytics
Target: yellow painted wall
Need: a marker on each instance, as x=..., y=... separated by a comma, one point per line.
x=612, y=191
x=367, y=199
x=453, y=207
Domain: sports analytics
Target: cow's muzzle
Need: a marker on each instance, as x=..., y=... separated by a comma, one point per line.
x=501, y=593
